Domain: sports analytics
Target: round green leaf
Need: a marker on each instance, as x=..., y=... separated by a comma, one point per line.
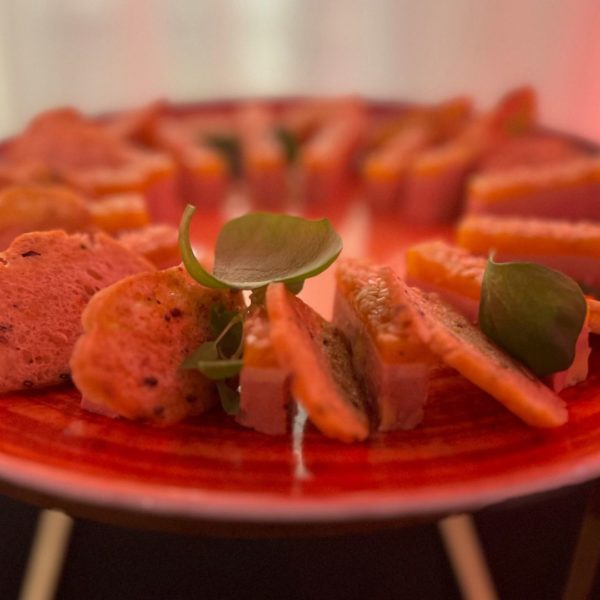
x=260, y=248
x=535, y=313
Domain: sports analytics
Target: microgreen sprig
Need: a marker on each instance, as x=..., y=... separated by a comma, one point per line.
x=251, y=252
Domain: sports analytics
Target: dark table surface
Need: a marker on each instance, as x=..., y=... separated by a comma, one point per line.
x=529, y=544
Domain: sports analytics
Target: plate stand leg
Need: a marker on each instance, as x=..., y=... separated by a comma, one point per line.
x=46, y=556
x=467, y=559
x=587, y=551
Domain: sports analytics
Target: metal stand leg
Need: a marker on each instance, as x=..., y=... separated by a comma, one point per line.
x=47, y=556
x=587, y=551
x=467, y=558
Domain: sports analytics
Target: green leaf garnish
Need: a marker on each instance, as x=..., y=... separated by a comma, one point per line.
x=535, y=313
x=228, y=327
x=230, y=399
x=289, y=143
x=261, y=248
x=193, y=267
x=229, y=148
x=251, y=252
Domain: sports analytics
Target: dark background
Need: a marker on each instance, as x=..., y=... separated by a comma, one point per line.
x=529, y=544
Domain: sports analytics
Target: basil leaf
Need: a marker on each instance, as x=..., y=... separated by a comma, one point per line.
x=191, y=263
x=230, y=399
x=229, y=148
x=535, y=313
x=259, y=248
x=289, y=143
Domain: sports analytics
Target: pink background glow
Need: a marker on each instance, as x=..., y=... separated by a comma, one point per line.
x=102, y=54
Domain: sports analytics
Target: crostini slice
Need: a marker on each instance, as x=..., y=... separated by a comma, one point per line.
x=136, y=335
x=46, y=280
x=317, y=355
x=387, y=353
x=464, y=347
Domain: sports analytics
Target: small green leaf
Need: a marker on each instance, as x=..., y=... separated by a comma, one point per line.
x=289, y=143
x=259, y=248
x=207, y=351
x=536, y=314
x=230, y=399
x=220, y=369
x=229, y=148
x=207, y=360
x=232, y=320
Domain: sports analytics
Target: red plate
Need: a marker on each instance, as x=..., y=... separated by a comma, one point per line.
x=469, y=452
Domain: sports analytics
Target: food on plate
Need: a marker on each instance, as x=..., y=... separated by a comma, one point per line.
x=136, y=335
x=322, y=377
x=529, y=150
x=387, y=353
x=437, y=175
x=161, y=345
x=203, y=170
x=157, y=243
x=447, y=270
x=46, y=280
x=35, y=207
x=262, y=156
x=85, y=155
x=326, y=157
x=265, y=399
x=384, y=169
x=119, y=212
x=397, y=142
x=456, y=276
x=565, y=190
x=464, y=347
x=570, y=247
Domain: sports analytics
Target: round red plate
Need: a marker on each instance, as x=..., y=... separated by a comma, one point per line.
x=468, y=453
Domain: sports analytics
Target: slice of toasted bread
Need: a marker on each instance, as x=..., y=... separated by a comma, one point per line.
x=137, y=333
x=46, y=280
x=464, y=347
x=317, y=356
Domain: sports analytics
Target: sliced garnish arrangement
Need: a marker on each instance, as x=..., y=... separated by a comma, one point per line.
x=530, y=320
